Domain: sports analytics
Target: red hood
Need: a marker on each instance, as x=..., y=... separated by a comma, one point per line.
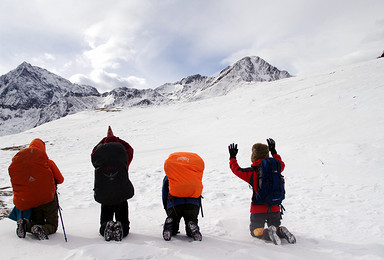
x=111, y=139
x=38, y=144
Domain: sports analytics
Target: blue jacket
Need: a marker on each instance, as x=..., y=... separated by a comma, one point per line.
x=171, y=201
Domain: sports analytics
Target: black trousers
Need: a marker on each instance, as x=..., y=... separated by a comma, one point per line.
x=45, y=215
x=189, y=212
x=120, y=211
x=258, y=221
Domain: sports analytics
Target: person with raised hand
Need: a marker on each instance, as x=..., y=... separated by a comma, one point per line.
x=267, y=184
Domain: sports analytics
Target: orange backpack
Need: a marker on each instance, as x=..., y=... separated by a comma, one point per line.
x=185, y=172
x=32, y=179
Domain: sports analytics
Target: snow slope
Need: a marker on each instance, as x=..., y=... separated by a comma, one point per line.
x=329, y=130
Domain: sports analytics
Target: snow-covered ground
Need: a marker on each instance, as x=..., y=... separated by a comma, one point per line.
x=329, y=130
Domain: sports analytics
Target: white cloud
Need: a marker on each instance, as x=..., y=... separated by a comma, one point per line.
x=109, y=54
x=164, y=41
x=105, y=81
x=49, y=56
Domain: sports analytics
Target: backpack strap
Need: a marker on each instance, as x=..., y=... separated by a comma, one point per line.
x=252, y=181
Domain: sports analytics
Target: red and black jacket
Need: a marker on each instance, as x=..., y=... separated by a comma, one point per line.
x=246, y=173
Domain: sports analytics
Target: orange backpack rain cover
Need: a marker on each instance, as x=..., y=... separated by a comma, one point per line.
x=32, y=179
x=185, y=172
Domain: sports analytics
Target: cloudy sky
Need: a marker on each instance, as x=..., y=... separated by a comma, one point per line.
x=146, y=43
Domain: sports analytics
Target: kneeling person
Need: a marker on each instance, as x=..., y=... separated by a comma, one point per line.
x=111, y=158
x=34, y=179
x=264, y=176
x=181, y=192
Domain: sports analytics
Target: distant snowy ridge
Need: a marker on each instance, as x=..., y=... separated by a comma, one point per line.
x=31, y=96
x=248, y=69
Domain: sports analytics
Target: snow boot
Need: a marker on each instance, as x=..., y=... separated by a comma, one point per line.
x=284, y=232
x=194, y=231
x=108, y=232
x=273, y=235
x=21, y=227
x=167, y=229
x=118, y=231
x=39, y=233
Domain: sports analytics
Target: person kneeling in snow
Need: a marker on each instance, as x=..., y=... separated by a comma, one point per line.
x=111, y=158
x=181, y=194
x=267, y=184
x=34, y=178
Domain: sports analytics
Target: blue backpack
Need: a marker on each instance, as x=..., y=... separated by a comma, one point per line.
x=269, y=188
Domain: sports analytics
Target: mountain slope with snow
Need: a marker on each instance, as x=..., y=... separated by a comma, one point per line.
x=31, y=96
x=248, y=69
x=328, y=129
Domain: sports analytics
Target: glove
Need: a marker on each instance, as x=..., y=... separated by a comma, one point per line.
x=271, y=146
x=232, y=148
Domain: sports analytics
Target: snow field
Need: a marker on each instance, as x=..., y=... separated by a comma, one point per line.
x=328, y=129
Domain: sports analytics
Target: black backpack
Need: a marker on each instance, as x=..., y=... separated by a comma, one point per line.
x=269, y=188
x=112, y=184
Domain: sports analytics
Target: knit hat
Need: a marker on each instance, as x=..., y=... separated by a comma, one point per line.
x=259, y=151
x=109, y=133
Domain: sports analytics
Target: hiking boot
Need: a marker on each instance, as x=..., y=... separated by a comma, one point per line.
x=194, y=231
x=284, y=232
x=108, y=232
x=21, y=227
x=167, y=229
x=273, y=235
x=118, y=231
x=39, y=233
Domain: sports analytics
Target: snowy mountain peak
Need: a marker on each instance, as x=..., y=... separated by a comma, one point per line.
x=33, y=73
x=31, y=96
x=248, y=69
x=252, y=69
x=24, y=65
x=33, y=87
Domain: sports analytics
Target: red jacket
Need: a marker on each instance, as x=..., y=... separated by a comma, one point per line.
x=110, y=139
x=33, y=176
x=39, y=144
x=245, y=175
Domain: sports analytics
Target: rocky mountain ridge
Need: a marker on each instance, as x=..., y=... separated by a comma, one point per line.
x=31, y=96
x=248, y=69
